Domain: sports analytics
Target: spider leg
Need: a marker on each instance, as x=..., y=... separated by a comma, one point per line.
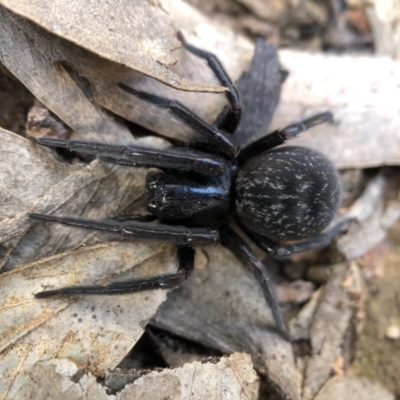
x=315, y=243
x=137, y=217
x=280, y=136
x=231, y=120
x=224, y=142
x=180, y=235
x=242, y=251
x=177, y=158
x=186, y=264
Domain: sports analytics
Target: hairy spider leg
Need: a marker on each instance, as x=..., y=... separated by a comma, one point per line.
x=242, y=251
x=185, y=256
x=231, y=120
x=180, y=235
x=224, y=142
x=280, y=136
x=316, y=243
x=177, y=158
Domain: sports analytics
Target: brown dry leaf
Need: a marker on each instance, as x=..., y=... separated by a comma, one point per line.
x=116, y=31
x=96, y=332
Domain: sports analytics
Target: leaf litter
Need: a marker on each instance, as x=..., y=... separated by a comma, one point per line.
x=99, y=190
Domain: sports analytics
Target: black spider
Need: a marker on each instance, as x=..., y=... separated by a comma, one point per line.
x=279, y=195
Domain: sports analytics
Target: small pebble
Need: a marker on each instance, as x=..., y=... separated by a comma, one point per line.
x=393, y=332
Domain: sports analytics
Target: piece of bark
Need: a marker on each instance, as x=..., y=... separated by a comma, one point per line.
x=359, y=90
x=299, y=327
x=383, y=17
x=374, y=218
x=43, y=123
x=343, y=388
x=330, y=323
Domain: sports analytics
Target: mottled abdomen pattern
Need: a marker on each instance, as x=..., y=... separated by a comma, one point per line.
x=289, y=193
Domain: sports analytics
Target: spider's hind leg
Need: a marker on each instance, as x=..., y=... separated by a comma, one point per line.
x=186, y=264
x=242, y=251
x=314, y=243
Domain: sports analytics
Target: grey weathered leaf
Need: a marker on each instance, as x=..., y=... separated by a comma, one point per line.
x=27, y=171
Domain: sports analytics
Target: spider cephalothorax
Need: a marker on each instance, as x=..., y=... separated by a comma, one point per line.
x=289, y=193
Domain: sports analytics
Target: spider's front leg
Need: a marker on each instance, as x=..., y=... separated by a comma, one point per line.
x=281, y=251
x=280, y=136
x=219, y=133
x=185, y=256
x=177, y=158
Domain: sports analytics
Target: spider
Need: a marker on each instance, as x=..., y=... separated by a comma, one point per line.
x=282, y=198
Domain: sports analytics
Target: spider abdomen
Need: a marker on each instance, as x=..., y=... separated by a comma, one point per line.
x=289, y=193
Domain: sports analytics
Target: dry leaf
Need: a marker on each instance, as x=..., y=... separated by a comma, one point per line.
x=95, y=332
x=22, y=159
x=115, y=31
